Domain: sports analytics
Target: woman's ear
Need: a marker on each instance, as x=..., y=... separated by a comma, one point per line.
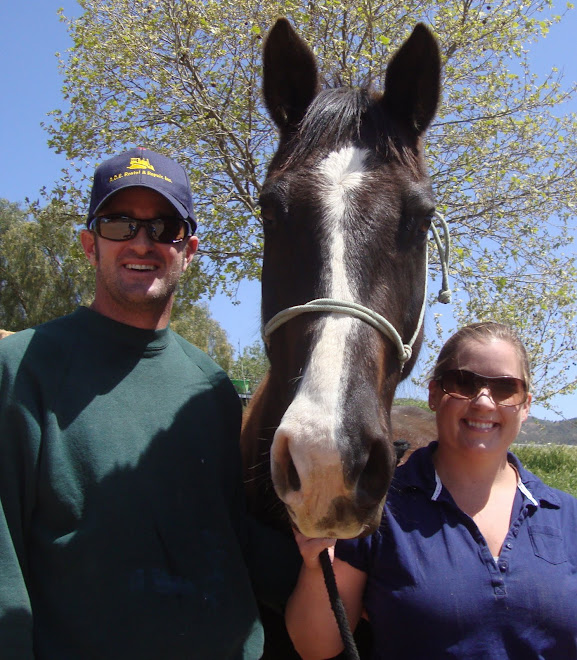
x=526, y=408
x=435, y=393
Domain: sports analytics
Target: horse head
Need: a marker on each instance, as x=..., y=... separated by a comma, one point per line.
x=346, y=208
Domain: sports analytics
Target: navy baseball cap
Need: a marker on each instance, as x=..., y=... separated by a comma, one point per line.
x=146, y=168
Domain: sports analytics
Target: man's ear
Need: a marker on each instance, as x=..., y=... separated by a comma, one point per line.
x=88, y=240
x=190, y=251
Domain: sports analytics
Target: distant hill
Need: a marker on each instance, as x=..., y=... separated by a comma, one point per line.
x=411, y=417
x=540, y=431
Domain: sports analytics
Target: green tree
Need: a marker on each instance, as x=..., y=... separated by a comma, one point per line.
x=43, y=273
x=195, y=324
x=183, y=76
x=252, y=365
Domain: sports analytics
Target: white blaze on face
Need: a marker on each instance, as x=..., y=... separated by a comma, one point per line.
x=313, y=417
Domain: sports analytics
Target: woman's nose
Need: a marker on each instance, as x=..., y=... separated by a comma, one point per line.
x=483, y=396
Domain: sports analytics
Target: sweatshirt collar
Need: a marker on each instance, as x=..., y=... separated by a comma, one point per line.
x=132, y=339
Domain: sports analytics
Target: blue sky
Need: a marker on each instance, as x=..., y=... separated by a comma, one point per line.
x=31, y=34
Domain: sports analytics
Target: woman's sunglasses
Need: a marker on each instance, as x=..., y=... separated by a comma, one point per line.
x=504, y=390
x=124, y=228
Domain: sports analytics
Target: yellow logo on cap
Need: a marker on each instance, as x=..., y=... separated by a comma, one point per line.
x=140, y=164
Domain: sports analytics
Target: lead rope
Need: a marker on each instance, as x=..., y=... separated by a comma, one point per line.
x=338, y=608
x=444, y=249
x=350, y=650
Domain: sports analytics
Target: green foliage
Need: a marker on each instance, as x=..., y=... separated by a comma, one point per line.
x=196, y=325
x=418, y=403
x=183, y=77
x=556, y=465
x=251, y=365
x=43, y=272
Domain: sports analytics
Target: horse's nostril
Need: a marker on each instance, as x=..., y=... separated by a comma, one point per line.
x=284, y=472
x=376, y=475
x=293, y=476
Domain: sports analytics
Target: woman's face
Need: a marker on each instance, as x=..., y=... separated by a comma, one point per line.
x=479, y=424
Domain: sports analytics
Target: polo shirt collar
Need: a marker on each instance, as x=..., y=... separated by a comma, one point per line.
x=538, y=490
x=418, y=473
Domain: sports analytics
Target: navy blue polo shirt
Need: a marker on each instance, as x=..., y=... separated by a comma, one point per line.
x=435, y=591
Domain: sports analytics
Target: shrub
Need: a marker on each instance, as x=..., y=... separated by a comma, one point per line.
x=556, y=465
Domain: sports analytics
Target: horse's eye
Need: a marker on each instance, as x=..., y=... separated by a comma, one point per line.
x=273, y=204
x=267, y=217
x=418, y=225
x=425, y=223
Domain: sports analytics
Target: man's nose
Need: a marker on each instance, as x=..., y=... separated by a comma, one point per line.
x=141, y=240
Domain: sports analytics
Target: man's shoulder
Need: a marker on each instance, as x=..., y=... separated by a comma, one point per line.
x=214, y=374
x=41, y=341
x=198, y=356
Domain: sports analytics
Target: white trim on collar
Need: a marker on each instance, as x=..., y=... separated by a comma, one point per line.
x=438, y=488
x=521, y=486
x=524, y=490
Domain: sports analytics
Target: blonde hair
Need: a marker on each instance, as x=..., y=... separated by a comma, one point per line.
x=483, y=331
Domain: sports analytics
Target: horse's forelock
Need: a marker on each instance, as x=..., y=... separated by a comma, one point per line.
x=341, y=116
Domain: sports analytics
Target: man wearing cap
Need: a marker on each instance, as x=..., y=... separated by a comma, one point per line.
x=123, y=532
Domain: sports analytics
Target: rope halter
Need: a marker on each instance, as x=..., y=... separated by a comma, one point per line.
x=330, y=305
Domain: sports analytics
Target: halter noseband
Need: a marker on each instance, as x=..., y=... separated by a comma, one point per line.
x=330, y=305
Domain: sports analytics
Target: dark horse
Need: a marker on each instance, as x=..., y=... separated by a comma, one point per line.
x=346, y=209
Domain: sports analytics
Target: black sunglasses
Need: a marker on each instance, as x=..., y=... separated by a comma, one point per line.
x=123, y=228
x=504, y=390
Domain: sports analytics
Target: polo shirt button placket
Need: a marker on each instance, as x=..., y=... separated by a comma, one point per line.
x=499, y=588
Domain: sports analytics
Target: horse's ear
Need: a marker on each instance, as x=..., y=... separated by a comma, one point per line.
x=413, y=81
x=290, y=75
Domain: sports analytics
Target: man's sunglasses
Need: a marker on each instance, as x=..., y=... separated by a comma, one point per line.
x=504, y=390
x=123, y=228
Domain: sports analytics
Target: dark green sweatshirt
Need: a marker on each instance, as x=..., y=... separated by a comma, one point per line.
x=123, y=532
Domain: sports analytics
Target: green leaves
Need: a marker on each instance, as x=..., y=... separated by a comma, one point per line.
x=251, y=365
x=43, y=273
x=196, y=325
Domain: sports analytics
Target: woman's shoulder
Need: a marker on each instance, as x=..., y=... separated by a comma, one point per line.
x=417, y=472
x=545, y=495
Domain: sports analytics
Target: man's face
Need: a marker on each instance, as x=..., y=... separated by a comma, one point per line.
x=136, y=279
